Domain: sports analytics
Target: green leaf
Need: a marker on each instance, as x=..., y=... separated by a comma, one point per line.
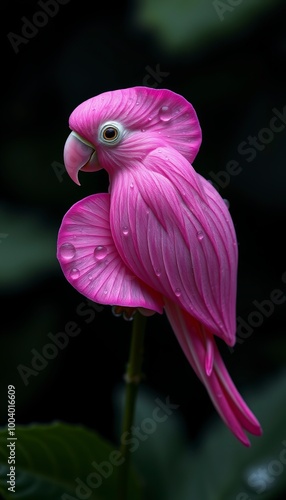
x=62, y=462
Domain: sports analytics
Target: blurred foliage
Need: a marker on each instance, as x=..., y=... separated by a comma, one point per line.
x=187, y=26
x=158, y=445
x=217, y=467
x=64, y=462
x=28, y=249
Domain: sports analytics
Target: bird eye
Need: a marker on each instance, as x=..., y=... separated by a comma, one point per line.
x=110, y=133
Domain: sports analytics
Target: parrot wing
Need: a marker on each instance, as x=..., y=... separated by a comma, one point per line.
x=91, y=263
x=173, y=229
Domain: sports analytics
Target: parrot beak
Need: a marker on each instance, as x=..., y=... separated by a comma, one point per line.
x=79, y=154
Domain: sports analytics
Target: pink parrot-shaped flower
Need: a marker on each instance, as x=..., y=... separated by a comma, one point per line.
x=162, y=239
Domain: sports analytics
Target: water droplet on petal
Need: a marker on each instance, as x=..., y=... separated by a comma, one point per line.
x=125, y=230
x=90, y=276
x=150, y=118
x=116, y=311
x=178, y=292
x=100, y=252
x=127, y=318
x=158, y=272
x=67, y=251
x=132, y=185
x=165, y=114
x=200, y=235
x=74, y=274
x=105, y=291
x=142, y=129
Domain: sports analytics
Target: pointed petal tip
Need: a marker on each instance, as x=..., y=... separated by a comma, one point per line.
x=76, y=180
x=257, y=429
x=230, y=340
x=245, y=441
x=256, y=432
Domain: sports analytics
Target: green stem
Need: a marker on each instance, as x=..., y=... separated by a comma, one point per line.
x=132, y=378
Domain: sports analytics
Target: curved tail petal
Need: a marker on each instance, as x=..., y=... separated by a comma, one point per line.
x=202, y=353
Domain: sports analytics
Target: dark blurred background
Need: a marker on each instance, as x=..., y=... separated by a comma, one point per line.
x=229, y=62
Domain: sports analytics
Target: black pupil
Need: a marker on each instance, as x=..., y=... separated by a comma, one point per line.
x=110, y=133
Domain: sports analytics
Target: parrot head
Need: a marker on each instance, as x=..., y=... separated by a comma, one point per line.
x=110, y=129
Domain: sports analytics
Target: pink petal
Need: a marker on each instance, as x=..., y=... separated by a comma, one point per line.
x=90, y=261
x=148, y=115
x=181, y=240
x=225, y=397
